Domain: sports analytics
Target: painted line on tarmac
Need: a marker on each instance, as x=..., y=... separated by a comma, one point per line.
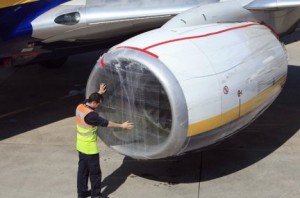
x=34, y=106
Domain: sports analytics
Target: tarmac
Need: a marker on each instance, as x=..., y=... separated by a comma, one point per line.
x=38, y=156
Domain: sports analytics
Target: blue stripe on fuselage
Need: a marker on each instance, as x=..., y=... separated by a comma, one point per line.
x=16, y=21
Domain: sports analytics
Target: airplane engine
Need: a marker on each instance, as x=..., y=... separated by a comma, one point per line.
x=189, y=87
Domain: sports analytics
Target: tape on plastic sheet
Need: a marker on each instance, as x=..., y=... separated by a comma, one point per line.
x=102, y=63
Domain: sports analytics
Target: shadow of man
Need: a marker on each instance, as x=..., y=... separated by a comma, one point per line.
x=113, y=181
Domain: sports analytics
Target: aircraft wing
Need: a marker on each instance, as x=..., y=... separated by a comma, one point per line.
x=101, y=19
x=30, y=28
x=272, y=4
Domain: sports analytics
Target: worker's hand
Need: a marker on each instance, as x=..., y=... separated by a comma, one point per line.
x=102, y=88
x=127, y=125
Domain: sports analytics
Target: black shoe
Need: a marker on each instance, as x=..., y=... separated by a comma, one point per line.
x=85, y=194
x=97, y=196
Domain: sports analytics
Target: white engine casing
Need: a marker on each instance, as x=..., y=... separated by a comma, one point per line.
x=217, y=79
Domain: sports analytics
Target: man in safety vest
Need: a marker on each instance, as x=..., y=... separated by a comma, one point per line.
x=87, y=121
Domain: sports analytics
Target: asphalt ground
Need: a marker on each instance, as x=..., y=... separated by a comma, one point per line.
x=38, y=156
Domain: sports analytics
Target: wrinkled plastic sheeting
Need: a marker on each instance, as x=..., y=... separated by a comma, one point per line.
x=133, y=94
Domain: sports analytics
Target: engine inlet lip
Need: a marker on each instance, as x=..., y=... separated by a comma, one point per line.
x=178, y=134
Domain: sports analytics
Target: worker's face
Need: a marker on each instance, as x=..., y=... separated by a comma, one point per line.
x=95, y=105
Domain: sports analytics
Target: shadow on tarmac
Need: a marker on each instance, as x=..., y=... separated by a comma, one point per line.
x=272, y=129
x=32, y=97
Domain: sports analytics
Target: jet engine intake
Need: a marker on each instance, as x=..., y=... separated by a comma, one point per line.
x=186, y=88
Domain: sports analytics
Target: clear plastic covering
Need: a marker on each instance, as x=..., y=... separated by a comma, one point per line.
x=133, y=94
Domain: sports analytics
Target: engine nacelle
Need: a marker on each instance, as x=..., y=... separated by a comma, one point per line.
x=187, y=88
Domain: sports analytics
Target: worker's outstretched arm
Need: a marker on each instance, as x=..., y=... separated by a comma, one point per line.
x=124, y=125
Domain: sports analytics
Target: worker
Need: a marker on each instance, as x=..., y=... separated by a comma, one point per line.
x=87, y=126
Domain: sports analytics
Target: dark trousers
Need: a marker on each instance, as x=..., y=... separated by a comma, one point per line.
x=89, y=167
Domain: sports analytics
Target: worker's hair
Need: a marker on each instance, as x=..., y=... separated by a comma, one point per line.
x=95, y=97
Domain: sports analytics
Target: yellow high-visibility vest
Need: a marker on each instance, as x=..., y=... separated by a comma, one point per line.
x=86, y=134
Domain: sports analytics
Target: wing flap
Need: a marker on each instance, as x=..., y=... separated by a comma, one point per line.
x=272, y=4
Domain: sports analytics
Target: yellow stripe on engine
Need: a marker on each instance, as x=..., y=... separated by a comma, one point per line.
x=9, y=3
x=236, y=112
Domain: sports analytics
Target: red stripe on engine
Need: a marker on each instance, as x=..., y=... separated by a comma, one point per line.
x=200, y=36
x=141, y=50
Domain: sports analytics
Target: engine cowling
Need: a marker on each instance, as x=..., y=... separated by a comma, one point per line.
x=189, y=87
